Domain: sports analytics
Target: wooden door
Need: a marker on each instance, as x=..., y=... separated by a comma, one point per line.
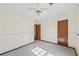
x=63, y=32
x=37, y=31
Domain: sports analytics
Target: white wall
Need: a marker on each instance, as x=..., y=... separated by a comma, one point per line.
x=49, y=27
x=49, y=32
x=77, y=32
x=16, y=28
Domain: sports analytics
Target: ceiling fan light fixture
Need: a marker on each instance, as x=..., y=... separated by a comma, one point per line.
x=51, y=3
x=38, y=12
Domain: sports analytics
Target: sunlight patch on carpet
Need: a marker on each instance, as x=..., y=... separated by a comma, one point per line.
x=40, y=52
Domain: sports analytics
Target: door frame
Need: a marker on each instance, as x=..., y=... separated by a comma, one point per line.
x=58, y=32
x=35, y=31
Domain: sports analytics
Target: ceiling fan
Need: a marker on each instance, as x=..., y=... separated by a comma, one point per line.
x=40, y=10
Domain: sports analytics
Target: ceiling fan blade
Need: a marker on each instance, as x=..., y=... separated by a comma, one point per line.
x=32, y=9
x=43, y=8
x=38, y=9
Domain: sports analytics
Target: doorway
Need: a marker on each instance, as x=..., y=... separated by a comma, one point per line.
x=37, y=31
x=63, y=32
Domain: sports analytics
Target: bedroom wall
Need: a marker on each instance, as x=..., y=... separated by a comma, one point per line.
x=49, y=32
x=16, y=29
x=77, y=32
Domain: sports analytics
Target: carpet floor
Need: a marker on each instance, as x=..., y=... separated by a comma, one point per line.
x=53, y=49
